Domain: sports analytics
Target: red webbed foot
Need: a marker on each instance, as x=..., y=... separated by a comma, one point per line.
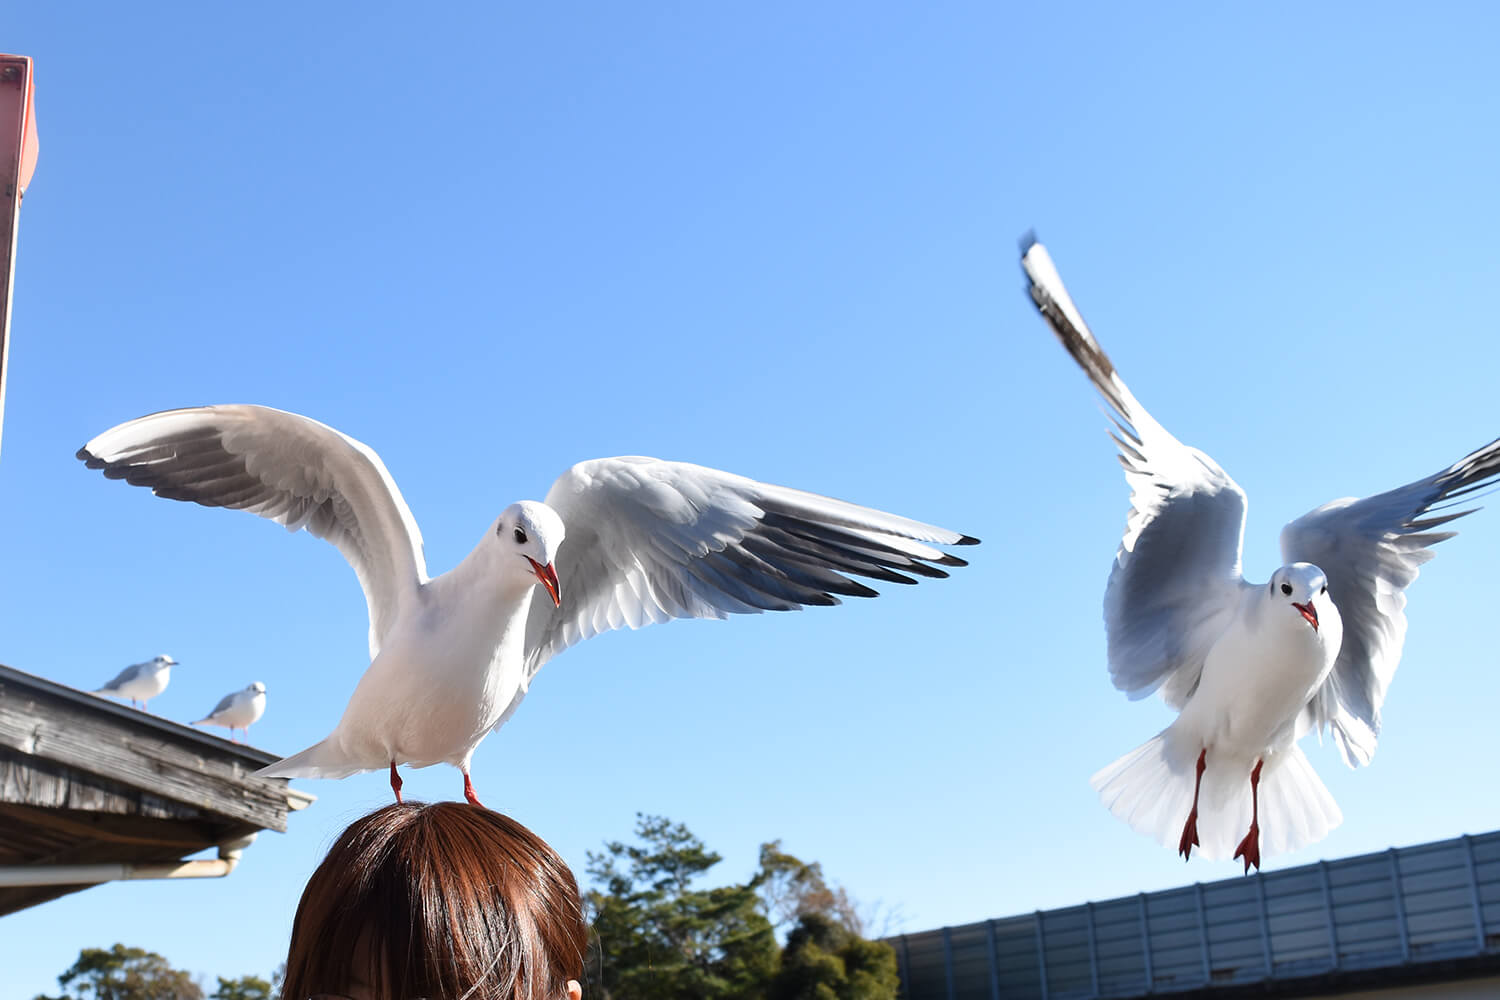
x=1249, y=848
x=1190, y=828
x=1189, y=836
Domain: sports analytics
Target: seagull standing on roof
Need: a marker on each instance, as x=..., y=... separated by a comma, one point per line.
x=238, y=710
x=142, y=681
x=1249, y=667
x=452, y=656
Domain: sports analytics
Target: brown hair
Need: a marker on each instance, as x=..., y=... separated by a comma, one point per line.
x=447, y=900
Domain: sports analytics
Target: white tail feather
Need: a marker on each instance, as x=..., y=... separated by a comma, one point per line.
x=318, y=761
x=1151, y=789
x=1296, y=808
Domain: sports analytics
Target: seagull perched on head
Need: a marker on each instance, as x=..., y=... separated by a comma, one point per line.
x=142, y=681
x=619, y=542
x=238, y=710
x=1249, y=667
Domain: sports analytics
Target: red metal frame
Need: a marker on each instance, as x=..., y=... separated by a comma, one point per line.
x=17, y=160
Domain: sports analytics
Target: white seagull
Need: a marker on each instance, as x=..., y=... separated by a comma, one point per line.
x=142, y=681
x=1249, y=667
x=238, y=710
x=452, y=656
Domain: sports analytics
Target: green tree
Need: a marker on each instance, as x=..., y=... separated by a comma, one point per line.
x=790, y=887
x=243, y=988
x=660, y=937
x=122, y=973
x=825, y=960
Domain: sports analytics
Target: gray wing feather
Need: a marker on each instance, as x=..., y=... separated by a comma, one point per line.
x=223, y=705
x=648, y=541
x=1371, y=550
x=283, y=467
x=125, y=676
x=1176, y=576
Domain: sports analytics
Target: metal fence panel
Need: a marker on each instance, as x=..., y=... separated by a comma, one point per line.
x=1430, y=903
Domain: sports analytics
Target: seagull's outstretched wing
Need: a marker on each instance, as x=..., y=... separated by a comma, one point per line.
x=648, y=541
x=1370, y=550
x=1176, y=578
x=125, y=676
x=284, y=467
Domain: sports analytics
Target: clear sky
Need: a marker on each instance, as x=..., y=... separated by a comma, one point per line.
x=779, y=239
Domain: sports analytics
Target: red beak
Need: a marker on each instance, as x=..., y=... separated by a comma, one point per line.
x=548, y=576
x=1308, y=612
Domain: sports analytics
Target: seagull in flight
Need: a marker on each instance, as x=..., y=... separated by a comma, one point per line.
x=238, y=710
x=619, y=542
x=1250, y=667
x=141, y=681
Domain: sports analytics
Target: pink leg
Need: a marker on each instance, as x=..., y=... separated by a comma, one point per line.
x=1250, y=847
x=1190, y=828
x=469, y=791
x=395, y=781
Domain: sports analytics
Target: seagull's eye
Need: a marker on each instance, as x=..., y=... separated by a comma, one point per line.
x=1286, y=588
x=520, y=537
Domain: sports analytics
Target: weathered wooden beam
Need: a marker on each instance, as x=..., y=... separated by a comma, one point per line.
x=28, y=780
x=253, y=757
x=137, y=751
x=182, y=835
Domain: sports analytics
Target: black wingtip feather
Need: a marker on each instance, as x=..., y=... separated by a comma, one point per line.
x=1427, y=523
x=967, y=540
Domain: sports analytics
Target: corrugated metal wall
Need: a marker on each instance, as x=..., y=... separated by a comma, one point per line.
x=1415, y=905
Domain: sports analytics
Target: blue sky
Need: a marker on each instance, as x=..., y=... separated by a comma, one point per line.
x=779, y=240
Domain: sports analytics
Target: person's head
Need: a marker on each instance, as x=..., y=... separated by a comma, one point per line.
x=446, y=901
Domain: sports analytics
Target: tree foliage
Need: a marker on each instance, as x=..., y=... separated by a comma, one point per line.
x=659, y=935
x=243, y=988
x=122, y=973
x=825, y=960
x=791, y=888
